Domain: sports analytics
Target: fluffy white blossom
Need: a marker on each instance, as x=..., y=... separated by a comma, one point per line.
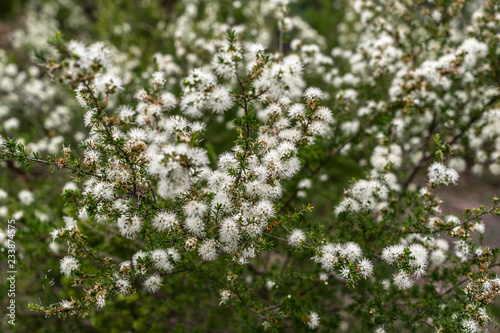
x=313, y=320
x=165, y=221
x=123, y=286
x=402, y=280
x=68, y=265
x=129, y=225
x=297, y=237
x=208, y=250
x=225, y=295
x=153, y=283
x=26, y=197
x=441, y=174
x=66, y=304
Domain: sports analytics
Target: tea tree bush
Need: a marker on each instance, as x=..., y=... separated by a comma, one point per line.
x=240, y=166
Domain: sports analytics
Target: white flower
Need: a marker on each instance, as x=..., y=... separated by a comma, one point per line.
x=391, y=253
x=195, y=225
x=383, y=156
x=420, y=261
x=126, y=113
x=225, y=295
x=402, y=280
x=305, y=183
x=270, y=284
x=68, y=265
x=124, y=264
x=345, y=272
x=66, y=304
x=101, y=301
x=297, y=237
x=91, y=156
x=323, y=277
x=137, y=135
x=102, y=190
x=158, y=78
x=313, y=320
x=438, y=257
x=70, y=223
x=479, y=227
x=313, y=93
x=208, y=250
x=108, y=82
x=227, y=161
x=347, y=205
x=195, y=209
x=220, y=181
x=220, y=100
x=365, y=268
x=161, y=261
x=256, y=48
x=135, y=258
x=297, y=110
x=11, y=124
x=123, y=286
x=229, y=231
x=54, y=234
x=264, y=209
x=153, y=283
x=452, y=219
x=70, y=186
x=436, y=16
x=351, y=250
x=441, y=174
x=168, y=100
x=470, y=326
x=129, y=226
x=26, y=197
x=165, y=221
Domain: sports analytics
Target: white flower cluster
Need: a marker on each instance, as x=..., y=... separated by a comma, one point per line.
x=479, y=293
x=441, y=174
x=281, y=79
x=383, y=156
x=295, y=122
x=313, y=320
x=225, y=295
x=275, y=159
x=415, y=256
x=70, y=225
x=435, y=83
x=153, y=283
x=439, y=248
x=68, y=265
x=470, y=326
x=347, y=258
x=123, y=285
x=85, y=59
x=364, y=196
x=163, y=260
x=297, y=238
x=201, y=91
x=165, y=221
x=26, y=197
x=241, y=211
x=483, y=141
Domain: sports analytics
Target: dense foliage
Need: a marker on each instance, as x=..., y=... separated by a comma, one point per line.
x=260, y=165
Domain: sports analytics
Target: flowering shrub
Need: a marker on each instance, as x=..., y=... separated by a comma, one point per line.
x=251, y=166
